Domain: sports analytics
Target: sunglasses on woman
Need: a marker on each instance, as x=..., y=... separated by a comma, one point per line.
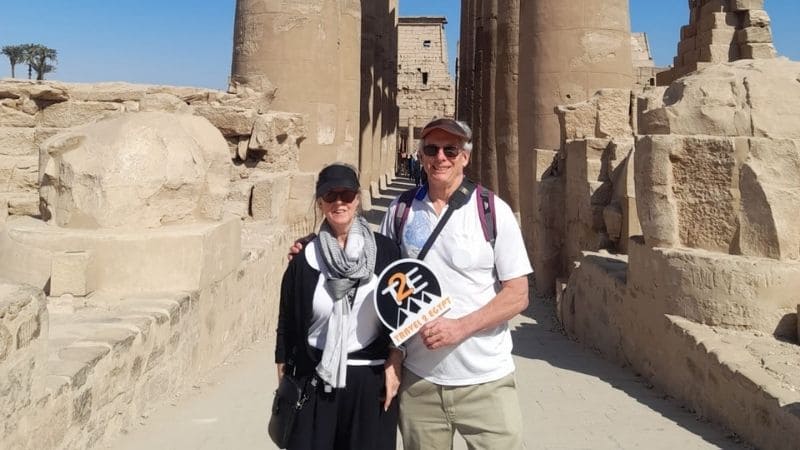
x=450, y=151
x=345, y=196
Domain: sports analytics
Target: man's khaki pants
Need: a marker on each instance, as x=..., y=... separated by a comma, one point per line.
x=486, y=415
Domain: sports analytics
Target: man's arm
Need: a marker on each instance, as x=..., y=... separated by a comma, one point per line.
x=510, y=301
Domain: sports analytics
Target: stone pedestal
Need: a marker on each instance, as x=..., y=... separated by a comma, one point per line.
x=181, y=257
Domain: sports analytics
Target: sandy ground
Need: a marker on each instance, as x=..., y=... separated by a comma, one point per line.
x=571, y=399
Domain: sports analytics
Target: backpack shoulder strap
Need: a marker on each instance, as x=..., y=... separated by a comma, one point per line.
x=485, y=200
x=401, y=212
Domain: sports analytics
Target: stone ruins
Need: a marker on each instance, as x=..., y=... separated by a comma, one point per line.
x=143, y=228
x=425, y=89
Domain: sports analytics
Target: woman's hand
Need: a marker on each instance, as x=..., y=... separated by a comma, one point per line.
x=392, y=369
x=281, y=368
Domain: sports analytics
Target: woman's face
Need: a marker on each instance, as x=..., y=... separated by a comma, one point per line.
x=339, y=206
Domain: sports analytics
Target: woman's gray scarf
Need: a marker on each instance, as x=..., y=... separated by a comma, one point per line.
x=347, y=268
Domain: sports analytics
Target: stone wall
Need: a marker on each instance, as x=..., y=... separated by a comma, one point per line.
x=263, y=143
x=718, y=164
x=644, y=68
x=721, y=31
x=106, y=360
x=705, y=304
x=23, y=352
x=120, y=315
x=634, y=311
x=425, y=87
x=584, y=196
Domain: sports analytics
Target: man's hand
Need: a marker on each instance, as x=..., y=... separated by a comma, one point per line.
x=298, y=245
x=442, y=332
x=510, y=301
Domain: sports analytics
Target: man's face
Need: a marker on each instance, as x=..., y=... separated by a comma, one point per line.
x=443, y=170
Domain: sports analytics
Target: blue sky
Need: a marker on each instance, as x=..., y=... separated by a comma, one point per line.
x=188, y=42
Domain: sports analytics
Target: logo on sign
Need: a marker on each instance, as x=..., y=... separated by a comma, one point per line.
x=408, y=296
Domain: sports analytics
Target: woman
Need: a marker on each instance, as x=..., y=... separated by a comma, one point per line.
x=328, y=327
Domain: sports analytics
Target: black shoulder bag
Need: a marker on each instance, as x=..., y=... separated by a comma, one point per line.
x=292, y=394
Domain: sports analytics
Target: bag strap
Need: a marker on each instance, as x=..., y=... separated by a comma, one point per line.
x=401, y=212
x=458, y=199
x=486, y=213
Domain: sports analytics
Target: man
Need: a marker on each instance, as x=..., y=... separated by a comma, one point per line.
x=415, y=168
x=459, y=373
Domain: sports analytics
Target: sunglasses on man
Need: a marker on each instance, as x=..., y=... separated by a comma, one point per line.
x=345, y=196
x=450, y=151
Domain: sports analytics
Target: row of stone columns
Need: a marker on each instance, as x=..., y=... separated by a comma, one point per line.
x=515, y=68
x=378, y=125
x=334, y=62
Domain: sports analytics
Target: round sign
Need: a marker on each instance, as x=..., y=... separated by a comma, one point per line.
x=405, y=289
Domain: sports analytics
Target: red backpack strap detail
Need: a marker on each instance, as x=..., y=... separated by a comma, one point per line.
x=485, y=203
x=401, y=212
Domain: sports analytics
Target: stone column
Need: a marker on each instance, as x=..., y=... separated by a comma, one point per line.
x=578, y=48
x=367, y=98
x=271, y=49
x=466, y=53
x=506, y=125
x=474, y=168
x=488, y=144
x=390, y=110
x=528, y=158
x=377, y=96
x=350, y=88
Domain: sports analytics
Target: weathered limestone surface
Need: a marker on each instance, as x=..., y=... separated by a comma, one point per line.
x=272, y=55
x=136, y=170
x=705, y=305
x=486, y=146
x=726, y=178
x=185, y=257
x=260, y=141
x=114, y=357
x=23, y=351
x=756, y=98
x=727, y=372
x=590, y=187
x=425, y=87
x=578, y=48
x=507, y=123
x=137, y=313
x=748, y=293
x=719, y=32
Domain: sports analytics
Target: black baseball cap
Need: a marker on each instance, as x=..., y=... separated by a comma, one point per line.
x=336, y=176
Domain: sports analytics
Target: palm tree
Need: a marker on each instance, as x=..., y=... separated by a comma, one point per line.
x=39, y=58
x=15, y=53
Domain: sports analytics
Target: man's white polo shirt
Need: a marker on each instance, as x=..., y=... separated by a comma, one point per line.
x=465, y=263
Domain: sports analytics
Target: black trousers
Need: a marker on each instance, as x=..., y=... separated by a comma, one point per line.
x=350, y=418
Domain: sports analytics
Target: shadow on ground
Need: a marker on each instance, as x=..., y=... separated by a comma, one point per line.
x=542, y=339
x=381, y=204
